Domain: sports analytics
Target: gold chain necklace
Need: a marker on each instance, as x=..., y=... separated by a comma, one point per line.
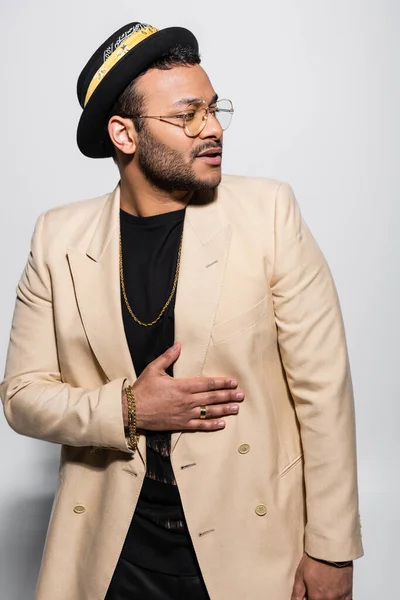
x=168, y=302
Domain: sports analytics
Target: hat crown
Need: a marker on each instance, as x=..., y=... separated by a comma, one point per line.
x=101, y=54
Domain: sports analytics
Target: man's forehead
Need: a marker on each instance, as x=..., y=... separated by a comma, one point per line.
x=177, y=86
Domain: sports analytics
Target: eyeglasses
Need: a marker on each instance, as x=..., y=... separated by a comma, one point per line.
x=195, y=118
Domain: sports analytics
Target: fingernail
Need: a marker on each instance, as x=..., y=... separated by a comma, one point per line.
x=221, y=424
x=235, y=408
x=175, y=346
x=239, y=396
x=234, y=383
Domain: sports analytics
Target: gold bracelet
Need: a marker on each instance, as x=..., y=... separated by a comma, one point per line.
x=133, y=437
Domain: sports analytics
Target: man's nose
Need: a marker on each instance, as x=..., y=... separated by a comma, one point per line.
x=212, y=129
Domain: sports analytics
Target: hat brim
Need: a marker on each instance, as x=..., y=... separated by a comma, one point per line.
x=92, y=136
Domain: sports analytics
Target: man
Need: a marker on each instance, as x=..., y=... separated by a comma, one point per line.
x=142, y=320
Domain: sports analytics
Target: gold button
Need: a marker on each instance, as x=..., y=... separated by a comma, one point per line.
x=261, y=510
x=79, y=509
x=244, y=448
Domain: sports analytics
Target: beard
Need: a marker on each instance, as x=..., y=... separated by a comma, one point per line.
x=166, y=169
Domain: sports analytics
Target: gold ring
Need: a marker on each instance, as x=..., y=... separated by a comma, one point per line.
x=203, y=412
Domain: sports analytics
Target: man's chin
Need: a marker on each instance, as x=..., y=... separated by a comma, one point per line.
x=211, y=180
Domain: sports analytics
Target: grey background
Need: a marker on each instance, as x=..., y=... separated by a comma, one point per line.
x=315, y=84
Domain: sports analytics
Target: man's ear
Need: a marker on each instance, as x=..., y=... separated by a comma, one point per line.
x=123, y=134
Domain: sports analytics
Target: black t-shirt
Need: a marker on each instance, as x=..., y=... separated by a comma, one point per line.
x=157, y=538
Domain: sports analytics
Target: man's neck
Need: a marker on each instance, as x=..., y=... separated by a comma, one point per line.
x=143, y=200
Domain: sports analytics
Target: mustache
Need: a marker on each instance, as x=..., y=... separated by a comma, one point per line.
x=204, y=147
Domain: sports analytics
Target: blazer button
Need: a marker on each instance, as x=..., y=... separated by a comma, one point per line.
x=79, y=509
x=244, y=448
x=261, y=510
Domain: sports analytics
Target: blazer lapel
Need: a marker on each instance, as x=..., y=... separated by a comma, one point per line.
x=96, y=280
x=95, y=273
x=205, y=247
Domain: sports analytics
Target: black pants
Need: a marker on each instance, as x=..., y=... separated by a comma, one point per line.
x=136, y=583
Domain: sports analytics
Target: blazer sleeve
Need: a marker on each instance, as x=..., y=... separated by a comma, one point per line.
x=314, y=354
x=37, y=403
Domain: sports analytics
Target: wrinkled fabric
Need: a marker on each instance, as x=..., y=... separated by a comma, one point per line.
x=132, y=582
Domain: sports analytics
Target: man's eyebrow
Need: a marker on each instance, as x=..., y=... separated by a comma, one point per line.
x=186, y=101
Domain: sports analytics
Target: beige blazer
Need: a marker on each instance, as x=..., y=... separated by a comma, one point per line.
x=255, y=301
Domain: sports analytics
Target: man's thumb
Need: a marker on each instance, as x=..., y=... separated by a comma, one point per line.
x=168, y=357
x=299, y=588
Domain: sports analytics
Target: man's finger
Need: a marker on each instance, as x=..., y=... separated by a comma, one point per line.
x=217, y=411
x=162, y=362
x=299, y=589
x=218, y=397
x=199, y=385
x=206, y=424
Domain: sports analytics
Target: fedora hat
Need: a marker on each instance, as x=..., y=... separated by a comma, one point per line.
x=115, y=64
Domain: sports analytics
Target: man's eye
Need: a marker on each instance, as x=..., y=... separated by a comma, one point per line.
x=189, y=116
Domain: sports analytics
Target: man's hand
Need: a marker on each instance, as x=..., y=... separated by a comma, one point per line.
x=317, y=581
x=164, y=403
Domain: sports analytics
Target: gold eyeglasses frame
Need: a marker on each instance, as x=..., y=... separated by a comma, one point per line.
x=183, y=116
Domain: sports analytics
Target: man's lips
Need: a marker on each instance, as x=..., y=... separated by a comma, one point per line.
x=210, y=152
x=212, y=156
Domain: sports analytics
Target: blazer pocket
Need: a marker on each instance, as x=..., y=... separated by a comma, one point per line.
x=226, y=330
x=298, y=460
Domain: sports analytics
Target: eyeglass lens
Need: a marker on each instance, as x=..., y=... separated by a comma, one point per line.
x=196, y=118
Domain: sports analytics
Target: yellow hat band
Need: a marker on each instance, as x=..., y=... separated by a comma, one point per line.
x=127, y=44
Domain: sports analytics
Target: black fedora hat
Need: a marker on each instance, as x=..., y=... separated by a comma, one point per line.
x=126, y=54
